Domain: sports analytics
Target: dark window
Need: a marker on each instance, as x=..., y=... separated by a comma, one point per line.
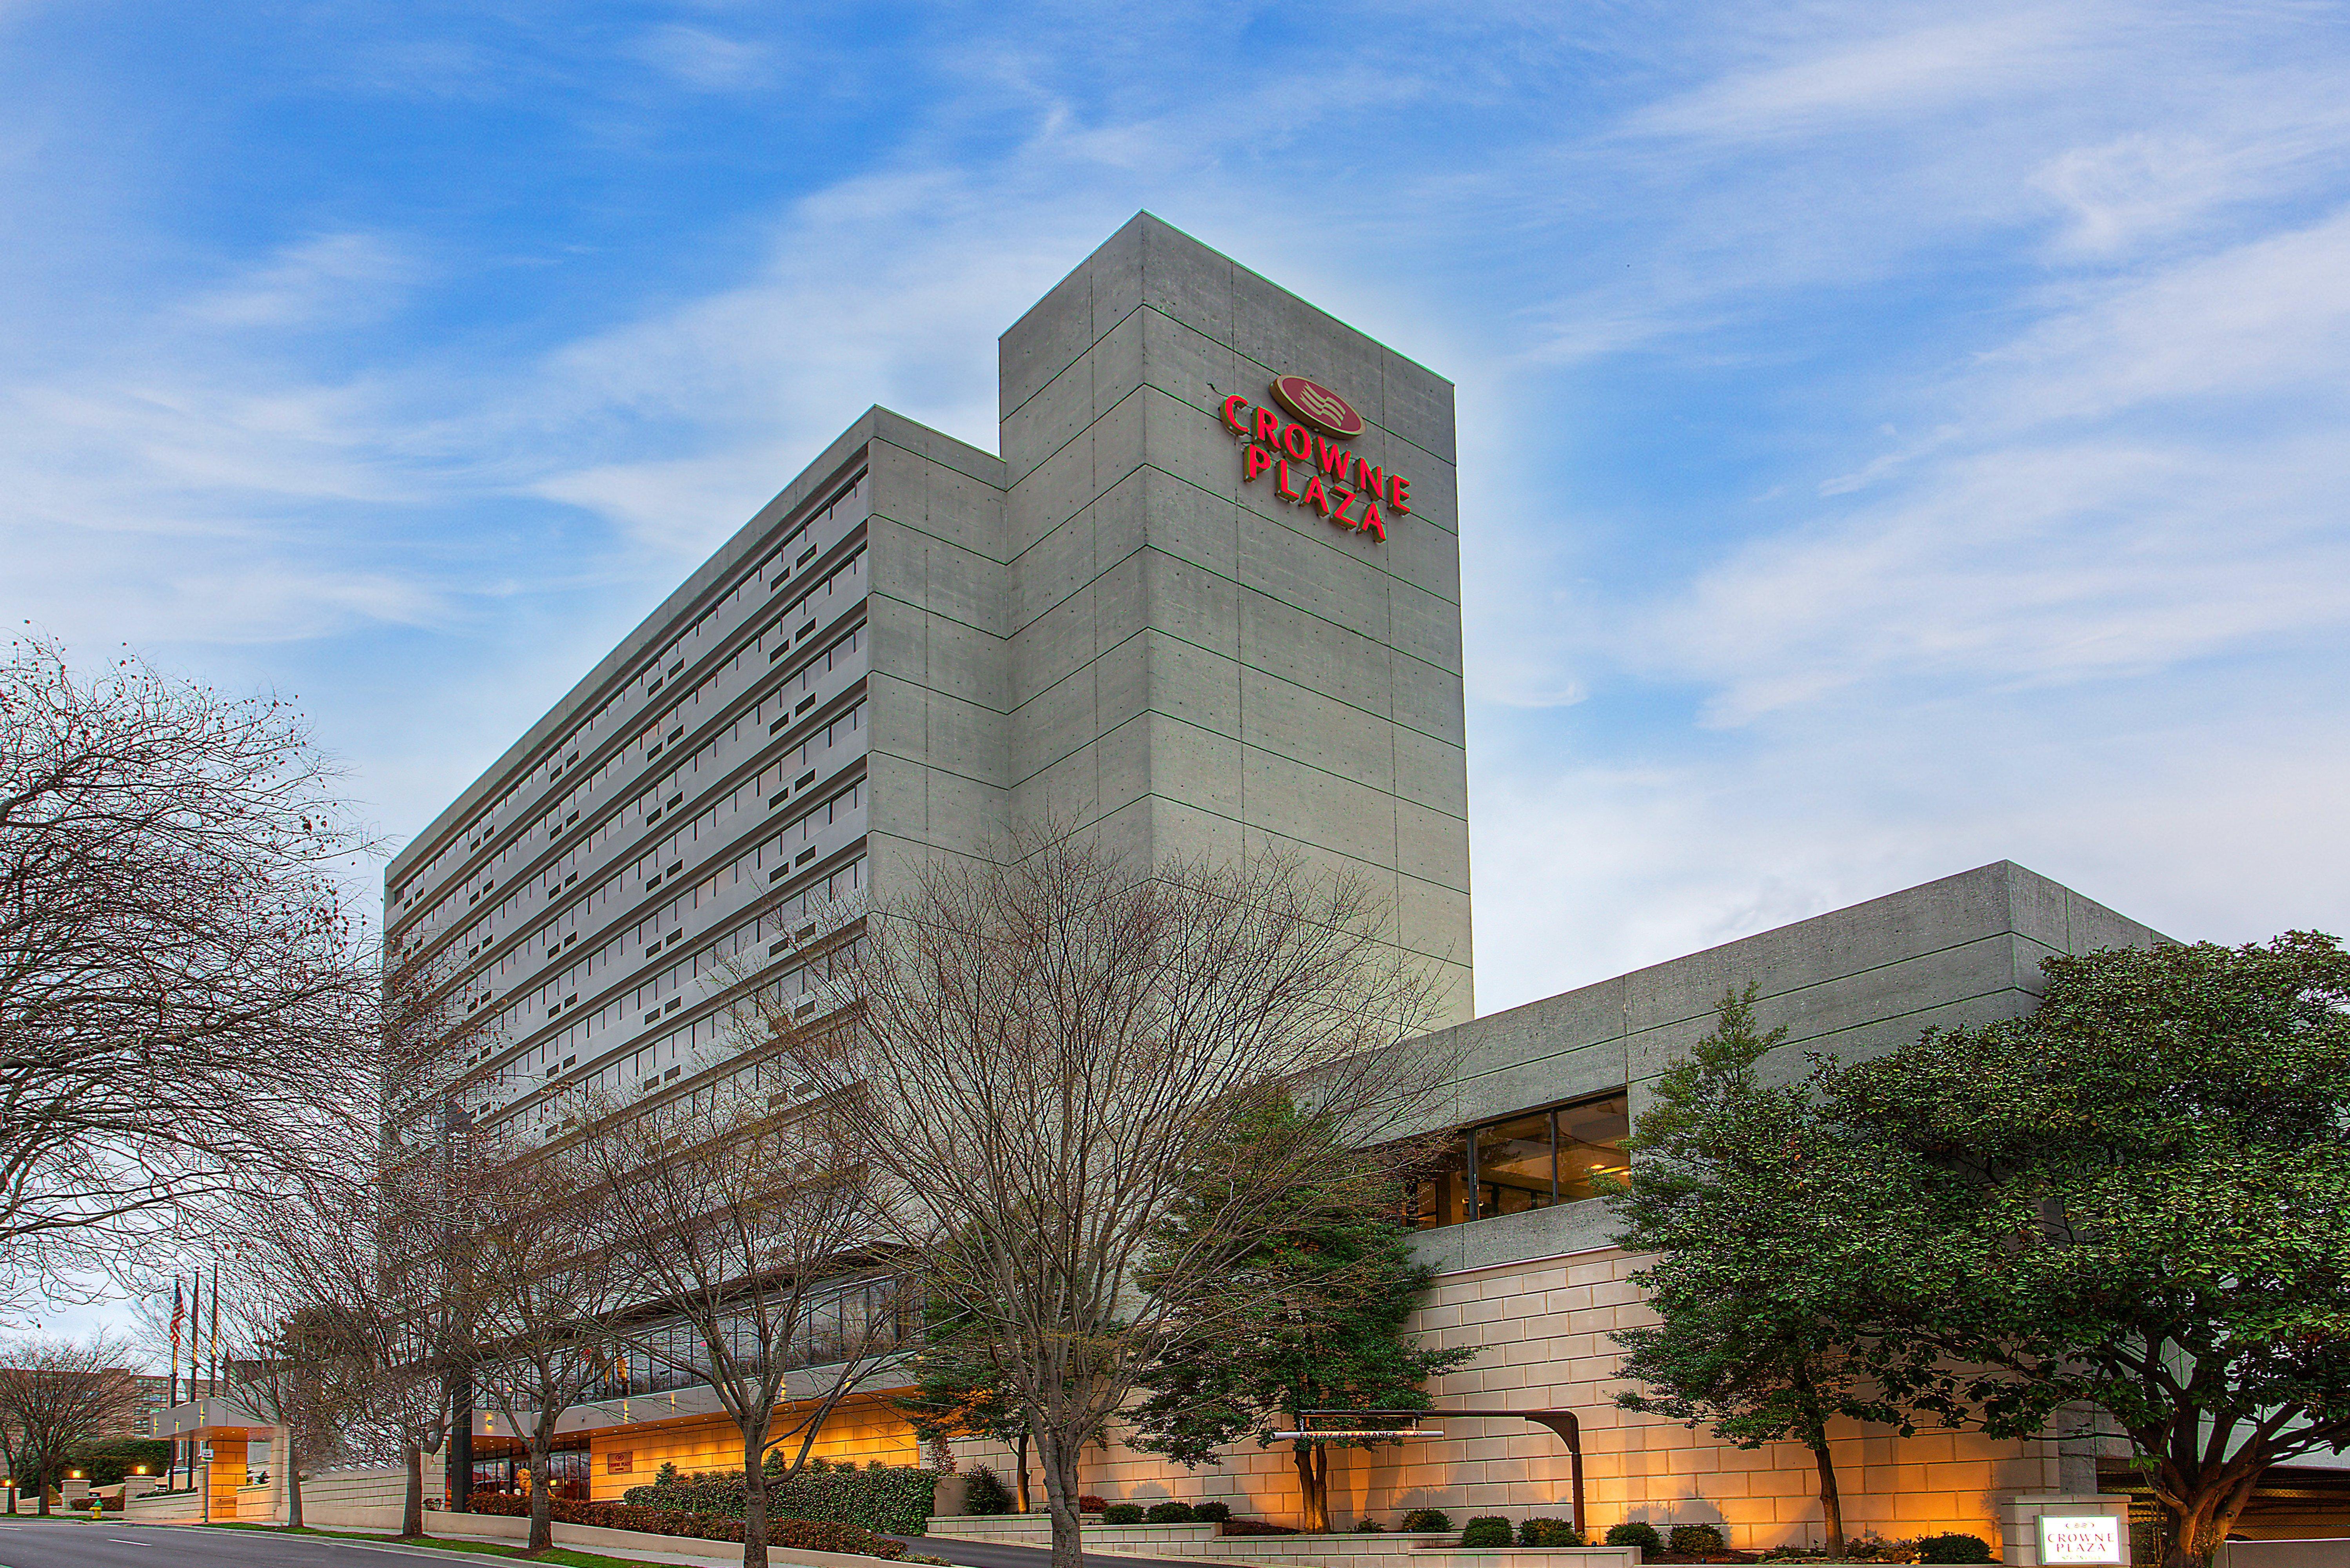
x=1530, y=1160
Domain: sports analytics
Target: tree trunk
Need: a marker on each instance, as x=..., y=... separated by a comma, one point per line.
x=2199, y=1523
x=293, y=1486
x=1020, y=1459
x=1830, y=1501
x=1815, y=1438
x=411, y=1510
x=1313, y=1486
x=542, y=1497
x=1061, y=1485
x=755, y=1499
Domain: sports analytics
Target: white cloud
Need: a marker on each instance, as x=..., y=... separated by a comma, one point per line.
x=1896, y=75
x=328, y=279
x=707, y=61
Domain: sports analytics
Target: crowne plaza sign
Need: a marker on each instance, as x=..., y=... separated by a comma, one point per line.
x=1309, y=459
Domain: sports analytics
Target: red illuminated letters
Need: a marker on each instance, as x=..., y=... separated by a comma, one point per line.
x=1273, y=443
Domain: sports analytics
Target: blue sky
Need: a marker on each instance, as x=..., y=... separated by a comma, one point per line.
x=1895, y=438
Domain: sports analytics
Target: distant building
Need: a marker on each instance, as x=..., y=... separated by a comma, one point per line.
x=154, y=1399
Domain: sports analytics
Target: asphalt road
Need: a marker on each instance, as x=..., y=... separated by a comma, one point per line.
x=64, y=1543
x=72, y=1544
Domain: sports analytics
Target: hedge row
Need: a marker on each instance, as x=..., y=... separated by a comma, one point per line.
x=805, y=1534
x=893, y=1499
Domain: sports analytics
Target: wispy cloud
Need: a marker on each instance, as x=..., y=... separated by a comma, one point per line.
x=707, y=61
x=1890, y=441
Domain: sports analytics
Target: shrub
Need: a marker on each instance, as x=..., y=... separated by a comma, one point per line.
x=1169, y=1512
x=1696, y=1539
x=1487, y=1529
x=1547, y=1532
x=887, y=1500
x=1366, y=1525
x=987, y=1493
x=1089, y=1503
x=1211, y=1512
x=1633, y=1532
x=1420, y=1519
x=1953, y=1548
x=1255, y=1527
x=801, y=1534
x=1122, y=1513
x=1873, y=1548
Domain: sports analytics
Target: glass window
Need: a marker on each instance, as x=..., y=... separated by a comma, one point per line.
x=1530, y=1160
x=1517, y=1165
x=1440, y=1195
x=1591, y=1144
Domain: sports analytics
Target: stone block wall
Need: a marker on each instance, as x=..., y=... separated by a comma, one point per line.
x=860, y=1430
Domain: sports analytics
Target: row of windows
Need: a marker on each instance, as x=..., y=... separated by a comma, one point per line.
x=845, y=509
x=796, y=769
x=870, y=1317
x=770, y=859
x=678, y=1048
x=789, y=700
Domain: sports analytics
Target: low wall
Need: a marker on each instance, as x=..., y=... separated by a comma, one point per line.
x=158, y=1507
x=2320, y=1553
x=513, y=1527
x=1416, y=1549
x=363, y=1497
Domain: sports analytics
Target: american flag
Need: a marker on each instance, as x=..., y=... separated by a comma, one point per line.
x=178, y=1312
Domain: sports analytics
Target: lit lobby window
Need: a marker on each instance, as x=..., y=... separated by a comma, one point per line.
x=1534, y=1159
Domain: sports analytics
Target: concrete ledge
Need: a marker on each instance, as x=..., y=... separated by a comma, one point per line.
x=513, y=1527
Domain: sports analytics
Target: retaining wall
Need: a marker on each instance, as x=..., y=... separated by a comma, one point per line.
x=1416, y=1549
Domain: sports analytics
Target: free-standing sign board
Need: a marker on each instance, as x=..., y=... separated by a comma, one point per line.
x=2080, y=1538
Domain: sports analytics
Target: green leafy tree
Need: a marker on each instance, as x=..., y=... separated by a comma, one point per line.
x=961, y=1390
x=2132, y=1198
x=115, y=1458
x=1336, y=1279
x=1758, y=1223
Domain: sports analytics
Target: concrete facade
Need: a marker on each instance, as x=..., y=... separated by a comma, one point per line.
x=1539, y=1295
x=919, y=647
x=1129, y=624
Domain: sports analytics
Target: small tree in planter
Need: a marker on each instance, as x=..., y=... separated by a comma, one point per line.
x=1336, y=1282
x=1747, y=1204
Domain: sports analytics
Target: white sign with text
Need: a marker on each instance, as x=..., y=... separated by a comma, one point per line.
x=2080, y=1538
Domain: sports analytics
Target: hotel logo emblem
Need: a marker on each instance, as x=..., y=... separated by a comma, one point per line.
x=1318, y=407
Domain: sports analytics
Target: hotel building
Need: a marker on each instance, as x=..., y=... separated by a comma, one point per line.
x=1204, y=599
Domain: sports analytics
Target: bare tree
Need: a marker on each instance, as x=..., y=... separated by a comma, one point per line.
x=57, y=1395
x=297, y=1358
x=539, y=1294
x=178, y=971
x=1043, y=1060
x=744, y=1224
x=347, y=1288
